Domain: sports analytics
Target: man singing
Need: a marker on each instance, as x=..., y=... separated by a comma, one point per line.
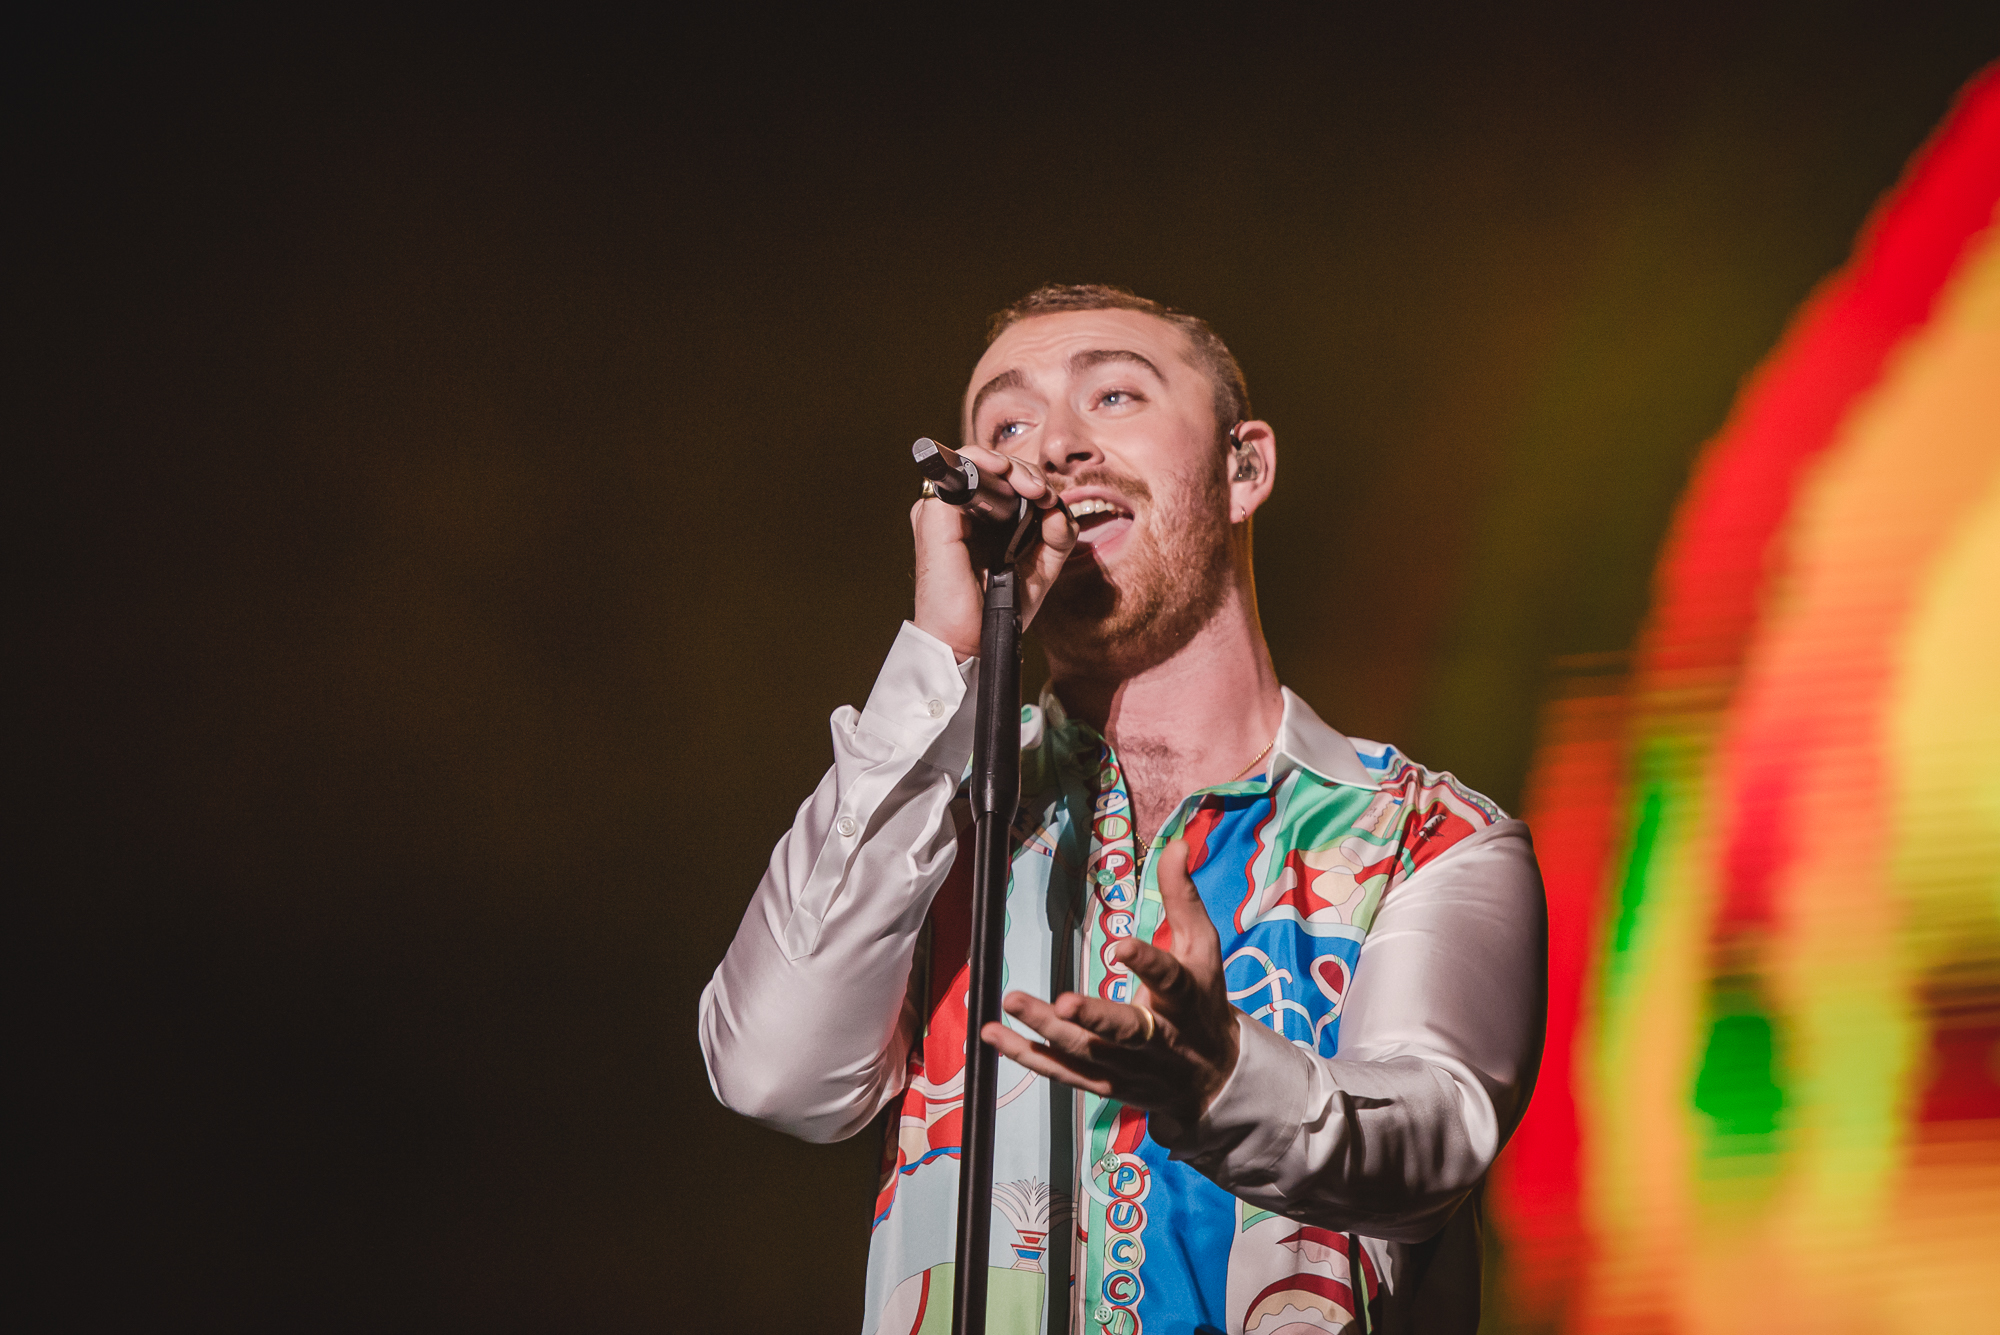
x=1276, y=995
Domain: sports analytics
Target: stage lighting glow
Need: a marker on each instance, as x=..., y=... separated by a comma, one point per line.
x=1771, y=1099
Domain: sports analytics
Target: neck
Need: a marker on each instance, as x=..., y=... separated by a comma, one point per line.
x=1190, y=721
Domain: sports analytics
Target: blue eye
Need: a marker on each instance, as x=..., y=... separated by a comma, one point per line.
x=1007, y=430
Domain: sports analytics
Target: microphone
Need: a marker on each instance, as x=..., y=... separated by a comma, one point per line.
x=991, y=501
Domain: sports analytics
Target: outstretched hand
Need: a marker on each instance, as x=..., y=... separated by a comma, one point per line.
x=1175, y=1064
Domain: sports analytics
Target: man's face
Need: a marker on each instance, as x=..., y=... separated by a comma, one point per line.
x=1108, y=406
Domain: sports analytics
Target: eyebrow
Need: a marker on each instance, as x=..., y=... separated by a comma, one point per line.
x=1082, y=361
x=1005, y=380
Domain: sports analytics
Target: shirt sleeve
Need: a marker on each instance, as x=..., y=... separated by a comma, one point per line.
x=1440, y=1041
x=803, y=1026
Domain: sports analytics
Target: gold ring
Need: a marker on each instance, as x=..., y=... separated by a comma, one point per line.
x=929, y=492
x=1152, y=1024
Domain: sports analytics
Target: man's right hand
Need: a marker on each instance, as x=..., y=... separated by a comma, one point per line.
x=949, y=595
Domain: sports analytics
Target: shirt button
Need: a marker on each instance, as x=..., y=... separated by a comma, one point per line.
x=936, y=708
x=846, y=827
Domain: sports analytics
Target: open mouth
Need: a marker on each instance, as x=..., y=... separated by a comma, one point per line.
x=1100, y=521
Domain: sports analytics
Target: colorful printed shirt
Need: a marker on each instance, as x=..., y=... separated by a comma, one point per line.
x=1382, y=932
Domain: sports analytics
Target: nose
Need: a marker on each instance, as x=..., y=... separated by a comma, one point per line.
x=1066, y=443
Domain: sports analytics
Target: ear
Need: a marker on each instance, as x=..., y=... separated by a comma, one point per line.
x=1253, y=467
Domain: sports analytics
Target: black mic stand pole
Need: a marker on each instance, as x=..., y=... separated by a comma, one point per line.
x=996, y=792
x=1010, y=528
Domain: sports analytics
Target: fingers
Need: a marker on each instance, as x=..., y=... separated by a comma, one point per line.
x=1023, y=477
x=1079, y=1026
x=1059, y=533
x=1116, y=1051
x=1060, y=1030
x=1069, y=1050
x=1195, y=941
x=948, y=598
x=1111, y=1021
x=1045, y=1061
x=935, y=522
x=1164, y=976
x=1176, y=977
x=1045, y=562
x=989, y=461
x=948, y=590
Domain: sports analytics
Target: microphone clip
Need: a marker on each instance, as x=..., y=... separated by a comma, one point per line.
x=1010, y=522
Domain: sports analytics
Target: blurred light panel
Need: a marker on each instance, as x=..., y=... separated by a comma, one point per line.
x=1771, y=1099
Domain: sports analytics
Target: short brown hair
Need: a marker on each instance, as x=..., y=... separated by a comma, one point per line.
x=1211, y=354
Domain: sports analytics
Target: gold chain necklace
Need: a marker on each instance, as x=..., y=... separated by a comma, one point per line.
x=1146, y=854
x=1254, y=759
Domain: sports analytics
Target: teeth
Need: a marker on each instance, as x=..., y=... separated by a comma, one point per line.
x=1085, y=509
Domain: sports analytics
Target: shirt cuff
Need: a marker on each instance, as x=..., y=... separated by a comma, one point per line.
x=1253, y=1119
x=922, y=701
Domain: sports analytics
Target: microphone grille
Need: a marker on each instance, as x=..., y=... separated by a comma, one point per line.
x=930, y=459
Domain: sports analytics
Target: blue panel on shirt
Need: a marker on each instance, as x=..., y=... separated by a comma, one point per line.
x=1186, y=1270
x=1299, y=987
x=1224, y=873
x=1290, y=981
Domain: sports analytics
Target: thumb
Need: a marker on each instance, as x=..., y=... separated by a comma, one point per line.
x=1195, y=941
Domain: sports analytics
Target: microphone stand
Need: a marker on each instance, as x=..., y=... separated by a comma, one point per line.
x=996, y=793
x=1010, y=528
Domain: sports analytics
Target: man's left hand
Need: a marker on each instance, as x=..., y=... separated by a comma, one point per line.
x=1176, y=1062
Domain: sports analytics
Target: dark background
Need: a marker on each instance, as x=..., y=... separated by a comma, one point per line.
x=414, y=674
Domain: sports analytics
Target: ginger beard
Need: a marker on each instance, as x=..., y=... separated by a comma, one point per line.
x=1163, y=587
